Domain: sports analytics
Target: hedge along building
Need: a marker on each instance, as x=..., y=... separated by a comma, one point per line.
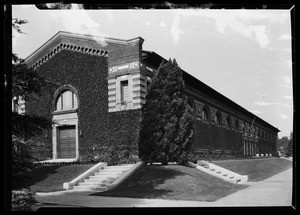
x=100, y=87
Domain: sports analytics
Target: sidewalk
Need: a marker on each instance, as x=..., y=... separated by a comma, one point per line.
x=274, y=191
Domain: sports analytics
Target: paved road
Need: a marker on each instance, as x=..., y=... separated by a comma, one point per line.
x=274, y=191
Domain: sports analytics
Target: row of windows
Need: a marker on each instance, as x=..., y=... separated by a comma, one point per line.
x=67, y=100
x=216, y=119
x=267, y=135
x=204, y=113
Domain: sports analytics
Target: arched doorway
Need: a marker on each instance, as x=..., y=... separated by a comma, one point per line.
x=65, y=132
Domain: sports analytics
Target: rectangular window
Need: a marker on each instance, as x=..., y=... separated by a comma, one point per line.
x=124, y=91
x=15, y=106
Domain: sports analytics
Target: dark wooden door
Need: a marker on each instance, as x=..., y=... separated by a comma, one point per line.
x=66, y=142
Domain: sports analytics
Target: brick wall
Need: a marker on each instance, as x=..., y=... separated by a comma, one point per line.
x=87, y=74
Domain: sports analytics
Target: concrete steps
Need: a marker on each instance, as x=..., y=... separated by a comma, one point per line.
x=102, y=178
x=220, y=172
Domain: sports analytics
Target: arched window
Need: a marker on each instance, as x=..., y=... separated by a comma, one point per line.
x=204, y=114
x=66, y=100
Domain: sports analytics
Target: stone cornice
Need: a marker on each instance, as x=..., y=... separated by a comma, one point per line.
x=64, y=46
x=87, y=44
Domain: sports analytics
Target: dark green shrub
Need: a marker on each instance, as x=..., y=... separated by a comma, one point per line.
x=119, y=153
x=276, y=155
x=22, y=200
x=192, y=156
x=22, y=161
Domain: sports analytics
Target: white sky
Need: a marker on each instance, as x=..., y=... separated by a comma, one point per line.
x=243, y=54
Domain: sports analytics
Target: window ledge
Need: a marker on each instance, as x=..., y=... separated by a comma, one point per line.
x=64, y=111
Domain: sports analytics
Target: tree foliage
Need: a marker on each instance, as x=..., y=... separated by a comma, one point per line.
x=289, y=147
x=26, y=84
x=16, y=24
x=285, y=145
x=166, y=125
x=25, y=81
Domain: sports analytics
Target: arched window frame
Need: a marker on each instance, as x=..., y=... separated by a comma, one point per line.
x=59, y=92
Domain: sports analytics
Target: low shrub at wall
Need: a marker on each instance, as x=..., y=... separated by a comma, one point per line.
x=22, y=200
x=41, y=149
x=115, y=154
x=276, y=154
x=209, y=155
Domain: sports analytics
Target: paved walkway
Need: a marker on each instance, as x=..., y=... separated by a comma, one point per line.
x=274, y=191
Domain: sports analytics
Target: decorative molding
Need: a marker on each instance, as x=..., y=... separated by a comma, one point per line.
x=69, y=47
x=128, y=66
x=86, y=41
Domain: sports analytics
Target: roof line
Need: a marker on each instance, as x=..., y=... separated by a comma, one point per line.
x=84, y=36
x=221, y=95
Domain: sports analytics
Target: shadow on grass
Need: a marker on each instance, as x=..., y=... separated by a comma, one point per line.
x=145, y=183
x=35, y=176
x=51, y=178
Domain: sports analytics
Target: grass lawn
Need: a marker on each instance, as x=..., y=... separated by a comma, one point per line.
x=173, y=182
x=51, y=178
x=256, y=169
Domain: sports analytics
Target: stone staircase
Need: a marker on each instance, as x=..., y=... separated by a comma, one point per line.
x=220, y=172
x=101, y=179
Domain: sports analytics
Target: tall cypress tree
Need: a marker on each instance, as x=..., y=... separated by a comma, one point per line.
x=166, y=125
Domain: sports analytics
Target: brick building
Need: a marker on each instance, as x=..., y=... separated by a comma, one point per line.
x=100, y=86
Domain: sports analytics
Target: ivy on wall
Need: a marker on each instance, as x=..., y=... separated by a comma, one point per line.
x=104, y=135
